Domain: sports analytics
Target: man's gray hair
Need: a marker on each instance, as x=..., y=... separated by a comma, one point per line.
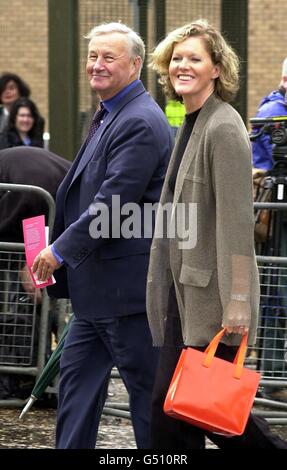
x=136, y=42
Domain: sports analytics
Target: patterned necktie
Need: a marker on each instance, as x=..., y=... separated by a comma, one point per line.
x=96, y=122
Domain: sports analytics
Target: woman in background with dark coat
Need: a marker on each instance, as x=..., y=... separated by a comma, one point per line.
x=25, y=125
x=12, y=87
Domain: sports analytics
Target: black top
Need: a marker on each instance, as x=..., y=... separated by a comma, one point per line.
x=11, y=138
x=187, y=130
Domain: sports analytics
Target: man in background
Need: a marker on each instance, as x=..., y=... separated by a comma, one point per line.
x=272, y=242
x=33, y=166
x=275, y=104
x=29, y=166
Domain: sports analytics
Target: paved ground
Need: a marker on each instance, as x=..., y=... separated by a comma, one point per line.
x=37, y=430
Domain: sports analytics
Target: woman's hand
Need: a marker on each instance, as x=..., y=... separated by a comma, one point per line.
x=237, y=317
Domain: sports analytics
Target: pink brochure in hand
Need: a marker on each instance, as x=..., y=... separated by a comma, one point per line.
x=35, y=241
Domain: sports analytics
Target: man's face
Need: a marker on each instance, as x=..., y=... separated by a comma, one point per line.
x=110, y=67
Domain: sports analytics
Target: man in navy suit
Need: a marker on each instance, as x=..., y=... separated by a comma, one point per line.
x=123, y=161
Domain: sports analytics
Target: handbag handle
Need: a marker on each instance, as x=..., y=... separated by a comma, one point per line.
x=239, y=358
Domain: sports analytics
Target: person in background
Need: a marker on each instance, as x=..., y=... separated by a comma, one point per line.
x=275, y=104
x=29, y=166
x=274, y=343
x=33, y=166
x=12, y=87
x=123, y=159
x=175, y=112
x=195, y=287
x=24, y=126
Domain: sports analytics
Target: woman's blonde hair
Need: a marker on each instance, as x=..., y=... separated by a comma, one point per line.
x=226, y=85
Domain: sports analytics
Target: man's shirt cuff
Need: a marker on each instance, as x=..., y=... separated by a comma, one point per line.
x=57, y=256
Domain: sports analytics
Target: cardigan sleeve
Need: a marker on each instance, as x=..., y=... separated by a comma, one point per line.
x=232, y=185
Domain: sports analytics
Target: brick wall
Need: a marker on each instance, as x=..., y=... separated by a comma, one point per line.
x=24, y=41
x=267, y=48
x=24, y=45
x=92, y=13
x=180, y=12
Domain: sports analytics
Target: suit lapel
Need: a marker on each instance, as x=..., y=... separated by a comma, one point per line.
x=70, y=175
x=90, y=149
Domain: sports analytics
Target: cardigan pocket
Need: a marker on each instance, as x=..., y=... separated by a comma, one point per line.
x=194, y=276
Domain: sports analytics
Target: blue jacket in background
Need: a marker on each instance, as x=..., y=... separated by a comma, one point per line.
x=272, y=105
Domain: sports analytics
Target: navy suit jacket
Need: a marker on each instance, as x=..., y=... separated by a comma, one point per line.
x=128, y=156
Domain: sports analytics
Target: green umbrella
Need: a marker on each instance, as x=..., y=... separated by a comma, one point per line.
x=49, y=372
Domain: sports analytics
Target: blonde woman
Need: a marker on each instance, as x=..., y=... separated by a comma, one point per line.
x=193, y=291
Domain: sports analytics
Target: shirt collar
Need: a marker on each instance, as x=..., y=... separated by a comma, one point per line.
x=112, y=102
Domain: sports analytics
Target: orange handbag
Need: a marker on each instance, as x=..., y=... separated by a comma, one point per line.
x=212, y=393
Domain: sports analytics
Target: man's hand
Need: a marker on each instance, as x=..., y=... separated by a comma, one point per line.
x=45, y=264
x=25, y=277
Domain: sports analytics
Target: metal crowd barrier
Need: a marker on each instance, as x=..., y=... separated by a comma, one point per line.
x=23, y=323
x=269, y=356
x=19, y=317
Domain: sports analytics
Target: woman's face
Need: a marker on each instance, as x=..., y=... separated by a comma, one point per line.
x=24, y=120
x=10, y=93
x=192, y=72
